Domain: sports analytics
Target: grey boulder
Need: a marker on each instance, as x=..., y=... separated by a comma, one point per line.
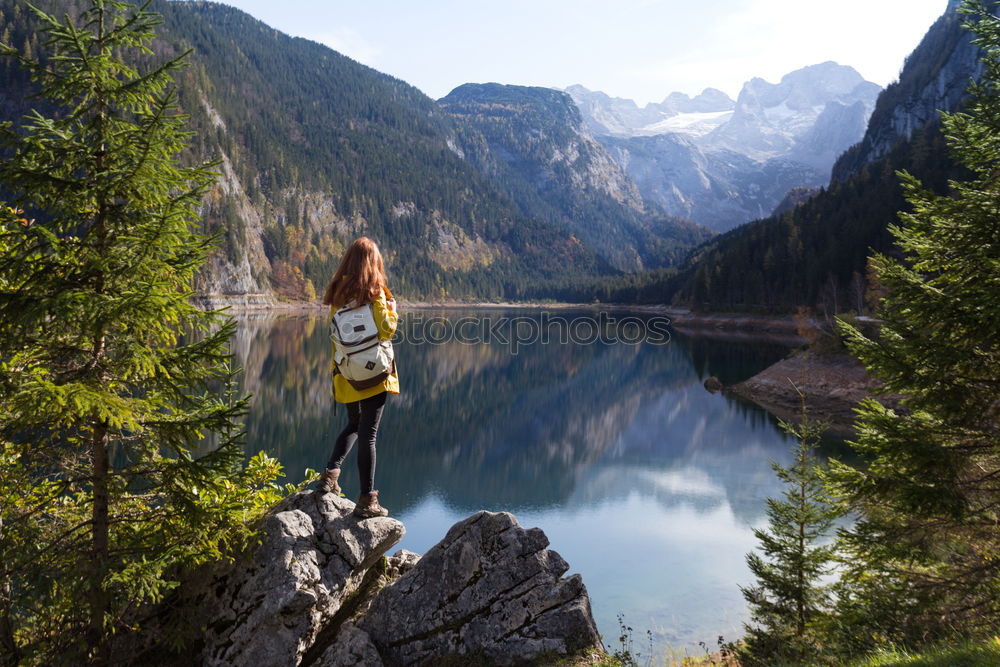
x=353, y=648
x=491, y=590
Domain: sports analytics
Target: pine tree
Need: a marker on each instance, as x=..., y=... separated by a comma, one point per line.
x=121, y=459
x=923, y=559
x=789, y=600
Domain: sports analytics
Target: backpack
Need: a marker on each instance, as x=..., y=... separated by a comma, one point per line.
x=358, y=354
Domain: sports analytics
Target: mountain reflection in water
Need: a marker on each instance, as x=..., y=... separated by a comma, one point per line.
x=647, y=484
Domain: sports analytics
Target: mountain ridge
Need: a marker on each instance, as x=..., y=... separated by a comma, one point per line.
x=742, y=156
x=538, y=146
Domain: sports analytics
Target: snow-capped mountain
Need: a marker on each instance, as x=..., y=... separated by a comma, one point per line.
x=619, y=117
x=722, y=163
x=770, y=118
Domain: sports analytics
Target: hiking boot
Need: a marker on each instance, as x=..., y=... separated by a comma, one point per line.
x=328, y=482
x=368, y=506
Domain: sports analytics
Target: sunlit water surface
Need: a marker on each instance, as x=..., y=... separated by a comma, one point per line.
x=643, y=481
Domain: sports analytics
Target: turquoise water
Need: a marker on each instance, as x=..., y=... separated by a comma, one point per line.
x=643, y=481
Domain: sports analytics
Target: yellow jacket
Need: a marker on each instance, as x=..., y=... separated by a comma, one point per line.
x=385, y=320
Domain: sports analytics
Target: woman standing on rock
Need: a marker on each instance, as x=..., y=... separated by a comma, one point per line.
x=363, y=320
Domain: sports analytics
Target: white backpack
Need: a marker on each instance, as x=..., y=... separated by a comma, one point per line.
x=359, y=355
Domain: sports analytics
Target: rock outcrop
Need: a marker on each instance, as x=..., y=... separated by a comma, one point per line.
x=489, y=589
x=317, y=590
x=269, y=607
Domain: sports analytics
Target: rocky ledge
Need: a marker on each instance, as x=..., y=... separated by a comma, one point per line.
x=318, y=590
x=832, y=387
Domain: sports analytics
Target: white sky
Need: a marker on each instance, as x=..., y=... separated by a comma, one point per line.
x=639, y=49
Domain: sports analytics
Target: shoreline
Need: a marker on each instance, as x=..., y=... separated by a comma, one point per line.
x=830, y=387
x=780, y=329
x=680, y=318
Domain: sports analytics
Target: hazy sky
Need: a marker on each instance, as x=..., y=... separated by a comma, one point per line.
x=640, y=49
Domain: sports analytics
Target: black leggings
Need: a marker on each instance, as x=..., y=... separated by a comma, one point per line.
x=362, y=424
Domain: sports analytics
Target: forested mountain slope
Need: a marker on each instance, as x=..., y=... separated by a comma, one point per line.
x=538, y=150
x=316, y=149
x=815, y=255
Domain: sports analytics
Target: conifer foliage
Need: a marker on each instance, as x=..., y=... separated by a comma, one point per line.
x=789, y=600
x=924, y=556
x=121, y=459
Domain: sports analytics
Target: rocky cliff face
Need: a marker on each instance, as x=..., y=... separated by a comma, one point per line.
x=235, y=277
x=721, y=163
x=317, y=591
x=834, y=130
x=935, y=77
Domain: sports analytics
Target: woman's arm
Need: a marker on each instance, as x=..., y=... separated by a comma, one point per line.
x=385, y=317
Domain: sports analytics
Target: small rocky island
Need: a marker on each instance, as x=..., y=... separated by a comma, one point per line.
x=318, y=590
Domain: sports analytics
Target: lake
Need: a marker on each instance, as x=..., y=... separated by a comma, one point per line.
x=594, y=428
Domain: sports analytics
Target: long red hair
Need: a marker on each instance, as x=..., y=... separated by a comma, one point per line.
x=360, y=276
